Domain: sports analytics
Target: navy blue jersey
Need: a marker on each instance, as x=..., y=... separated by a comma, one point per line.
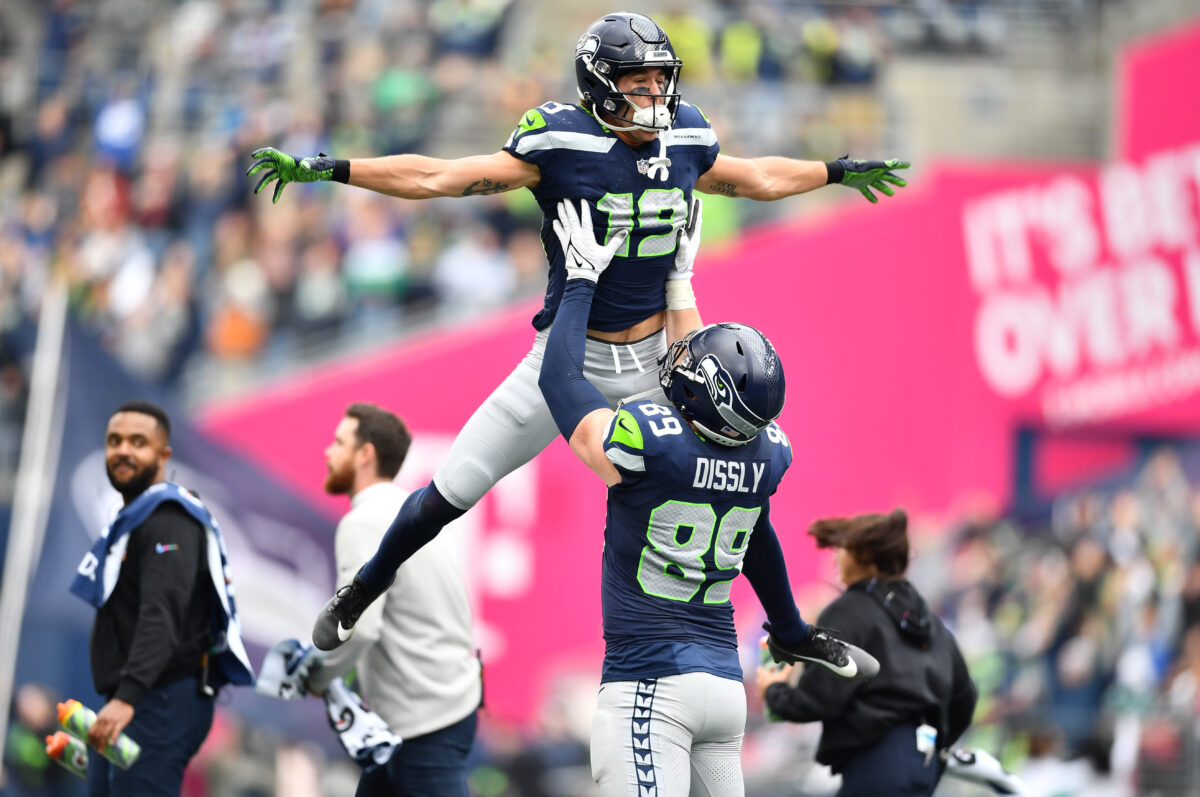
x=580, y=158
x=678, y=527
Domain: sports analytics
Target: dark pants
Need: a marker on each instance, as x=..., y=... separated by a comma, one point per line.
x=169, y=723
x=892, y=767
x=433, y=765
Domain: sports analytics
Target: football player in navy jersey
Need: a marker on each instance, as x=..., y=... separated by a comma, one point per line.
x=636, y=153
x=690, y=469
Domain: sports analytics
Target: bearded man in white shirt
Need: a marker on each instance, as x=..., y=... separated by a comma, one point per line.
x=413, y=650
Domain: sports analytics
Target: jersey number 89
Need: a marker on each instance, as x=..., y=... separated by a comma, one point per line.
x=676, y=569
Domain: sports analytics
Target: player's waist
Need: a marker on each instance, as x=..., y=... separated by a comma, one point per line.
x=643, y=329
x=637, y=354
x=640, y=621
x=658, y=658
x=604, y=357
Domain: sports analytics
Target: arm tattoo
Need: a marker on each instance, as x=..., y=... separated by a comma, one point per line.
x=722, y=187
x=484, y=186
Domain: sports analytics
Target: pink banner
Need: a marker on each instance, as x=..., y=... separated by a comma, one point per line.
x=916, y=335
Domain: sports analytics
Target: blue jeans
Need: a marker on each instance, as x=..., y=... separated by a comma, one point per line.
x=169, y=723
x=433, y=765
x=892, y=767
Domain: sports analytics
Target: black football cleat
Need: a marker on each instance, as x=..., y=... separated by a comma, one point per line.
x=821, y=647
x=336, y=621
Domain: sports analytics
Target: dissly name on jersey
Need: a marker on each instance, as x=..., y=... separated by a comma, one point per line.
x=734, y=477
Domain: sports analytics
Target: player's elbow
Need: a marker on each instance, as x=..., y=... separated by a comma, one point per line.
x=768, y=190
x=545, y=384
x=416, y=177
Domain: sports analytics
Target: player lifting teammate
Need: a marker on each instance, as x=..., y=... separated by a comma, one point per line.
x=690, y=475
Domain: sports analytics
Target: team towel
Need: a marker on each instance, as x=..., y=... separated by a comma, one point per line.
x=230, y=663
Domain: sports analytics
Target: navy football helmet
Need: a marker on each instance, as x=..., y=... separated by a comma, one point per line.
x=618, y=43
x=726, y=379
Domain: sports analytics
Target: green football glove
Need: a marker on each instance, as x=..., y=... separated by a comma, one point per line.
x=865, y=175
x=286, y=169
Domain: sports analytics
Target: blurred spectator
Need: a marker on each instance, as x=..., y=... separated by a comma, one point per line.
x=474, y=272
x=692, y=38
x=30, y=772
x=376, y=260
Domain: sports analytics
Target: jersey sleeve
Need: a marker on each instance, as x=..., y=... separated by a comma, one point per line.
x=781, y=453
x=692, y=126
x=540, y=132
x=624, y=445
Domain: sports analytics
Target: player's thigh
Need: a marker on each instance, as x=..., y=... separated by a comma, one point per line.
x=640, y=743
x=510, y=428
x=717, y=743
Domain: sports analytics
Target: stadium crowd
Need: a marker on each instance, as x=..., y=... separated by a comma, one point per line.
x=125, y=127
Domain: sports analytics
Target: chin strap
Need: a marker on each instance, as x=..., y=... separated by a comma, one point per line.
x=660, y=165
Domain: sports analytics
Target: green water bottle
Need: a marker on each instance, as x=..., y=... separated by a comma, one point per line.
x=69, y=752
x=766, y=660
x=77, y=719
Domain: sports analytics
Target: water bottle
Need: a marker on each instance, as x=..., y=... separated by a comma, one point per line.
x=77, y=719
x=927, y=742
x=766, y=660
x=69, y=752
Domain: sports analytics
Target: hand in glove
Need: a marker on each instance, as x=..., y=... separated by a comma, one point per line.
x=688, y=245
x=865, y=175
x=585, y=259
x=285, y=669
x=362, y=733
x=287, y=168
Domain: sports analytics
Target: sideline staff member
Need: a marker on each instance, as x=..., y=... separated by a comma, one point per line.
x=166, y=630
x=869, y=731
x=414, y=649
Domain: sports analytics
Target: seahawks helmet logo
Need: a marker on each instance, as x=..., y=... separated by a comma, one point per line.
x=587, y=45
x=716, y=380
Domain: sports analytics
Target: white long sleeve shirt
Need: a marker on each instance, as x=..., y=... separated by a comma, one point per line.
x=413, y=646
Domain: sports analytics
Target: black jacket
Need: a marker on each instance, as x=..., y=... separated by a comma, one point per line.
x=922, y=676
x=155, y=627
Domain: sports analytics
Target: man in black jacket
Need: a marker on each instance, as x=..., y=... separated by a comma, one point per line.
x=872, y=730
x=163, y=634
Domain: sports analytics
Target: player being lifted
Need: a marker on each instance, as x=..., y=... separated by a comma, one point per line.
x=689, y=487
x=635, y=152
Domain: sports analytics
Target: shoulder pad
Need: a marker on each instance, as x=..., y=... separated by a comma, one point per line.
x=624, y=430
x=691, y=116
x=553, y=115
x=778, y=442
x=555, y=125
x=623, y=442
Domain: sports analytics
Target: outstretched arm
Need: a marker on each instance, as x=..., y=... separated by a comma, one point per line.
x=421, y=177
x=773, y=177
x=579, y=409
x=407, y=176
